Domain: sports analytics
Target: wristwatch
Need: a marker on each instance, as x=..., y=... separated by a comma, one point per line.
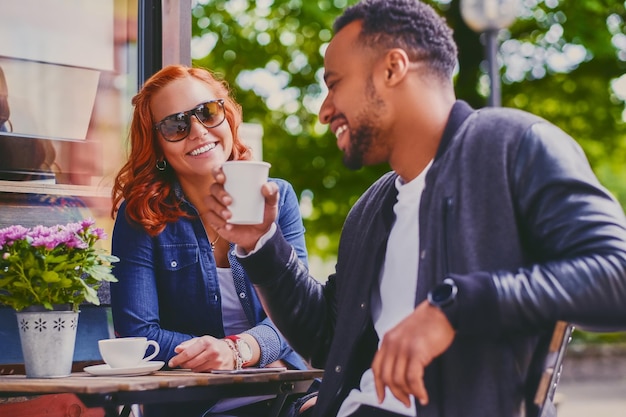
x=244, y=351
x=443, y=296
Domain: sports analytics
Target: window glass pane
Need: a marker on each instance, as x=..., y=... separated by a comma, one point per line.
x=66, y=83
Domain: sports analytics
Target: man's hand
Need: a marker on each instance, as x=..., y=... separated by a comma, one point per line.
x=245, y=236
x=202, y=354
x=407, y=349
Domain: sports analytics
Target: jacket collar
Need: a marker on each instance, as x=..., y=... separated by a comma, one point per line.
x=460, y=111
x=180, y=196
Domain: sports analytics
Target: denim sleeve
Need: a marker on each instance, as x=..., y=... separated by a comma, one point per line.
x=274, y=346
x=290, y=221
x=270, y=342
x=134, y=298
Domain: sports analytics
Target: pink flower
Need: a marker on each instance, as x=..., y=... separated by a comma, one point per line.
x=12, y=233
x=29, y=255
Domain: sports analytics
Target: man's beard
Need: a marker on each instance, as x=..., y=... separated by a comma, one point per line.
x=366, y=133
x=361, y=139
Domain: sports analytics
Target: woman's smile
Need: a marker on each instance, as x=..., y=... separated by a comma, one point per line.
x=203, y=149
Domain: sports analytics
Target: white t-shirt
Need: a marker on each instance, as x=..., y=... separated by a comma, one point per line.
x=394, y=298
x=235, y=322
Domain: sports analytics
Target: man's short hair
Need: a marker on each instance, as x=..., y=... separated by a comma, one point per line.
x=407, y=24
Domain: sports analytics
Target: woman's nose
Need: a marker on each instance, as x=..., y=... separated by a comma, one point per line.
x=196, y=128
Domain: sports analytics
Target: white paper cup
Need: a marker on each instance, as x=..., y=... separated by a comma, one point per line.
x=244, y=180
x=126, y=352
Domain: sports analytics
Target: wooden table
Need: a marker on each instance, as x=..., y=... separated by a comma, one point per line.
x=116, y=394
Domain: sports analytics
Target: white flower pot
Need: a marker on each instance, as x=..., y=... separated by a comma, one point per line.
x=47, y=339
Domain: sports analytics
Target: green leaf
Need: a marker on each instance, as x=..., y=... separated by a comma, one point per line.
x=5, y=281
x=66, y=282
x=50, y=276
x=91, y=295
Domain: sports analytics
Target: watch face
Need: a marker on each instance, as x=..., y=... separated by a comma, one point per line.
x=244, y=350
x=442, y=293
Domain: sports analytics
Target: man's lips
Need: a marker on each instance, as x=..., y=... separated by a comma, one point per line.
x=340, y=130
x=342, y=133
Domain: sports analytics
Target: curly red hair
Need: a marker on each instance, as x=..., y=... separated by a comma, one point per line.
x=148, y=192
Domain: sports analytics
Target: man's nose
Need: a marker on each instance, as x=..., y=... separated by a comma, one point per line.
x=326, y=111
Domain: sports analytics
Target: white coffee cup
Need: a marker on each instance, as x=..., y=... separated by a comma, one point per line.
x=243, y=182
x=126, y=352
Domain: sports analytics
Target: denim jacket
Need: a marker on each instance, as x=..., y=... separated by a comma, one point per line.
x=168, y=288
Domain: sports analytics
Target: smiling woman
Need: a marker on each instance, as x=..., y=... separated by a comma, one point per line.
x=196, y=301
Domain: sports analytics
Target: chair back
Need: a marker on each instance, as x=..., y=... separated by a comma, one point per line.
x=543, y=403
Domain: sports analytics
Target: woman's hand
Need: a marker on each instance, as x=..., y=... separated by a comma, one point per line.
x=202, y=354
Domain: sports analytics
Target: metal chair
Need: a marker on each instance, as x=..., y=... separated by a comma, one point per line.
x=552, y=367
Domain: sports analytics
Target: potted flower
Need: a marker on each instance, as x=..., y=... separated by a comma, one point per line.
x=51, y=270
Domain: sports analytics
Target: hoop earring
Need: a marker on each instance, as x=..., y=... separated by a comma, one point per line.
x=161, y=165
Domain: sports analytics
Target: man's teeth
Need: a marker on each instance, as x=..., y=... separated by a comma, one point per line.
x=340, y=130
x=203, y=149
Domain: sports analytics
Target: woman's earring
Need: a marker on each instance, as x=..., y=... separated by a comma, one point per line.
x=161, y=165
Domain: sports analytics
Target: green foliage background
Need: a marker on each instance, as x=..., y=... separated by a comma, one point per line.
x=281, y=42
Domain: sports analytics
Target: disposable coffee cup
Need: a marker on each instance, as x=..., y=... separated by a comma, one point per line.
x=244, y=180
x=126, y=352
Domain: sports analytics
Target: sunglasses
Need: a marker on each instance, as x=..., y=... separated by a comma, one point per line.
x=176, y=127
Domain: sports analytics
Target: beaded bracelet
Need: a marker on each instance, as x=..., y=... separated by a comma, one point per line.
x=237, y=360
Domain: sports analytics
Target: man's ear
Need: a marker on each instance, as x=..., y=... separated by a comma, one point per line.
x=396, y=66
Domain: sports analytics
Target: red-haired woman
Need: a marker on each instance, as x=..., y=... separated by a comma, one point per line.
x=179, y=283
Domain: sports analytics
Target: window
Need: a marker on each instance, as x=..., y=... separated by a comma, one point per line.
x=69, y=69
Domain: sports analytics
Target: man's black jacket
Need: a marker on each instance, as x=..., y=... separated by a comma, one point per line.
x=512, y=211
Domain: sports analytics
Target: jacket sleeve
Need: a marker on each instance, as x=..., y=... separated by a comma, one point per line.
x=298, y=303
x=290, y=220
x=134, y=298
x=577, y=231
x=272, y=342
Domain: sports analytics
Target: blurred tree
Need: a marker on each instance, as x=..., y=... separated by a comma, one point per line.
x=563, y=60
x=566, y=61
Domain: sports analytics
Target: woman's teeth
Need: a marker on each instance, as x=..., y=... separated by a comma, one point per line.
x=203, y=149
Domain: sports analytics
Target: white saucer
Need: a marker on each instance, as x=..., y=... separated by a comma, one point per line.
x=142, y=369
